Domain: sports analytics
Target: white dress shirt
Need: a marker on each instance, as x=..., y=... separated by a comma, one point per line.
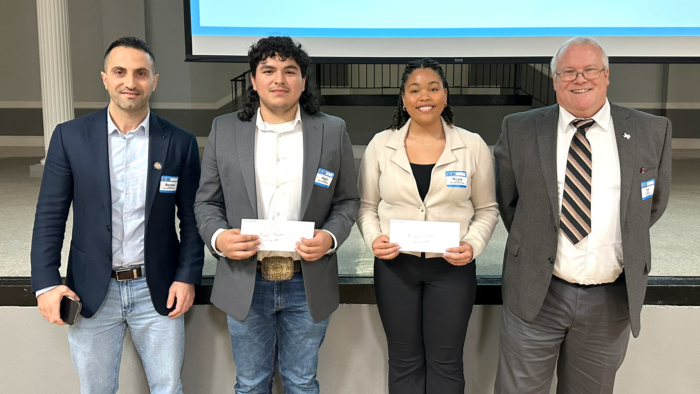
x=128, y=170
x=597, y=258
x=279, y=163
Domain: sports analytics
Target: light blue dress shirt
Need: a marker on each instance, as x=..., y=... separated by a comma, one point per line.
x=128, y=172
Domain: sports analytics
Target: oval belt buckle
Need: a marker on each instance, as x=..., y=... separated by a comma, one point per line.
x=277, y=268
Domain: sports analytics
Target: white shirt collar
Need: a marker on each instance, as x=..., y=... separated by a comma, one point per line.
x=279, y=128
x=145, y=124
x=602, y=117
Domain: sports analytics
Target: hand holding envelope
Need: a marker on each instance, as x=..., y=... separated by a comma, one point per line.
x=316, y=247
x=461, y=255
x=422, y=236
x=237, y=246
x=278, y=235
x=384, y=249
x=431, y=237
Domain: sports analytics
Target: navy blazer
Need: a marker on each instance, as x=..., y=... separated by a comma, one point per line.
x=77, y=171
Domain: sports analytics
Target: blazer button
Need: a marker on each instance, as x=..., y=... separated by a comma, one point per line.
x=108, y=257
x=555, y=229
x=551, y=260
x=109, y=228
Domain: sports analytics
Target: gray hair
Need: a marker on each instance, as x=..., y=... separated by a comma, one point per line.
x=580, y=40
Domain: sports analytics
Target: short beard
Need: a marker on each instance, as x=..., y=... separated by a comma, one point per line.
x=136, y=108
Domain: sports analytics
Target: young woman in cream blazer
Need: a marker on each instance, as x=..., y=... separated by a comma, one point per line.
x=425, y=299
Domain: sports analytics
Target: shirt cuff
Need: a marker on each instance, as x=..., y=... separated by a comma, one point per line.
x=213, y=242
x=44, y=290
x=335, y=243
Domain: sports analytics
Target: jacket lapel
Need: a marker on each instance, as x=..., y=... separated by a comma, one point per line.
x=626, y=149
x=313, y=142
x=547, y=142
x=96, y=135
x=452, y=142
x=245, y=149
x=397, y=142
x=158, y=142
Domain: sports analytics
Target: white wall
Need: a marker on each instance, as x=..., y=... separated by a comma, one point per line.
x=93, y=26
x=636, y=83
x=684, y=83
x=35, y=357
x=183, y=82
x=19, y=43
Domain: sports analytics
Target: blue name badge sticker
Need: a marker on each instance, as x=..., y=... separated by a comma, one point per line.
x=648, y=189
x=456, y=178
x=168, y=184
x=324, y=178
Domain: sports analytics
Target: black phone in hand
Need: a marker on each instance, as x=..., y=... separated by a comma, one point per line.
x=70, y=309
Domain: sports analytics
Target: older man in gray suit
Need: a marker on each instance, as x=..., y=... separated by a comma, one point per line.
x=280, y=158
x=579, y=184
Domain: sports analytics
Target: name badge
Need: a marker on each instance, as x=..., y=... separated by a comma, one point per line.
x=324, y=178
x=456, y=178
x=648, y=189
x=168, y=184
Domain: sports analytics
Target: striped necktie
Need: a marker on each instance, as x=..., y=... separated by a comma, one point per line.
x=576, y=204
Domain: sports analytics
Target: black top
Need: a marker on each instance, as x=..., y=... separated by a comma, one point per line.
x=422, y=173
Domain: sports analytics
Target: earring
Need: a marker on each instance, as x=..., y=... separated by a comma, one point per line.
x=404, y=108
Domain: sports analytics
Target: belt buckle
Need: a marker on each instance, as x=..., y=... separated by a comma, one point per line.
x=277, y=268
x=119, y=278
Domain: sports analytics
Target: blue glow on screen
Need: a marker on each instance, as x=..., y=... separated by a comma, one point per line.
x=465, y=18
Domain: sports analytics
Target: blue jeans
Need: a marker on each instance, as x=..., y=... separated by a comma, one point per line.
x=96, y=343
x=278, y=327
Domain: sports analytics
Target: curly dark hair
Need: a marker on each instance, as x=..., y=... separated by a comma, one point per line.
x=284, y=48
x=400, y=115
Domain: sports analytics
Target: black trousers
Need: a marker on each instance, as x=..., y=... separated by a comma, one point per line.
x=425, y=305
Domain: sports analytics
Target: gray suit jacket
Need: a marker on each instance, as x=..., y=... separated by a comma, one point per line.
x=227, y=194
x=526, y=189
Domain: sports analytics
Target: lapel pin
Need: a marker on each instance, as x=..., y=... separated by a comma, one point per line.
x=157, y=165
x=626, y=135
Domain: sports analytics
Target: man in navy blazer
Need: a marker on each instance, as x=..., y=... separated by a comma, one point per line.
x=126, y=172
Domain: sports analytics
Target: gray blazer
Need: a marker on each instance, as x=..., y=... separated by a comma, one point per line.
x=526, y=189
x=227, y=194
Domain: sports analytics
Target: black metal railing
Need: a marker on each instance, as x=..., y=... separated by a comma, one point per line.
x=537, y=82
x=530, y=79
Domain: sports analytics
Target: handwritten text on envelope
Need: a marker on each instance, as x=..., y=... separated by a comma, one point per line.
x=278, y=235
x=420, y=236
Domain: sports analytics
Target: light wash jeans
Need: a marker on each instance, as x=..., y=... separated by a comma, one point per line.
x=96, y=343
x=278, y=328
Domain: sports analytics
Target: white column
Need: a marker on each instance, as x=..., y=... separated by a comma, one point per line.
x=54, y=58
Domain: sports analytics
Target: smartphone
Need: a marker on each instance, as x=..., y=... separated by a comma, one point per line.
x=70, y=309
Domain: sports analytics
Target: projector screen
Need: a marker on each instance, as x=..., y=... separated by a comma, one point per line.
x=451, y=30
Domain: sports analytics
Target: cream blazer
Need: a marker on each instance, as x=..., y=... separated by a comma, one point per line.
x=388, y=189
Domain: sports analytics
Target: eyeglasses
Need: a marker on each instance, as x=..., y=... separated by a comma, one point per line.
x=570, y=75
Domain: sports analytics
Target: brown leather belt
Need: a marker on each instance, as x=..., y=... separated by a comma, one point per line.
x=277, y=268
x=128, y=274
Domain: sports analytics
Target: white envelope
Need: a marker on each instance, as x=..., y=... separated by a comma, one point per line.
x=420, y=236
x=278, y=235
